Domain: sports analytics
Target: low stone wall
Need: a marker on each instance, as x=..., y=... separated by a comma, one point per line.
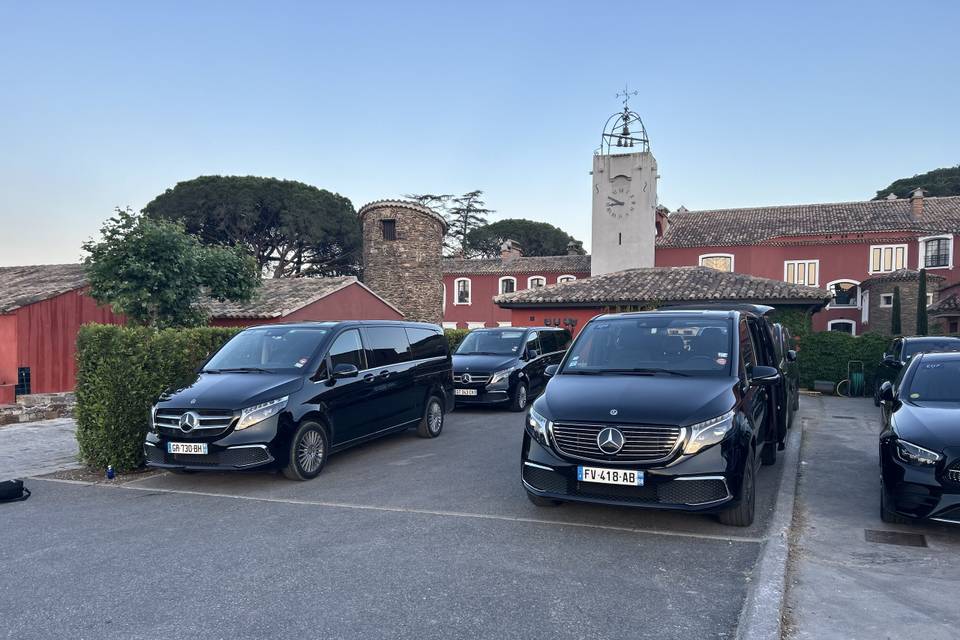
x=38, y=406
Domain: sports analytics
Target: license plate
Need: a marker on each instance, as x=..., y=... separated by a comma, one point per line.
x=198, y=448
x=464, y=392
x=625, y=477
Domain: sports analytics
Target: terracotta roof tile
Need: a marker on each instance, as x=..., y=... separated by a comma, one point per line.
x=278, y=297
x=756, y=225
x=901, y=275
x=22, y=286
x=524, y=264
x=949, y=306
x=665, y=284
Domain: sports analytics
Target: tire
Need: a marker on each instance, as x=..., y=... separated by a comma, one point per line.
x=309, y=448
x=182, y=471
x=876, y=397
x=768, y=455
x=431, y=424
x=793, y=414
x=742, y=514
x=889, y=515
x=519, y=401
x=540, y=501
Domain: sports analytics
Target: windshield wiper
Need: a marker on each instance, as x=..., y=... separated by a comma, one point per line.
x=245, y=370
x=648, y=371
x=580, y=372
x=480, y=353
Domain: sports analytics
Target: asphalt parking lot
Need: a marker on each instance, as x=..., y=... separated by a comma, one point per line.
x=402, y=537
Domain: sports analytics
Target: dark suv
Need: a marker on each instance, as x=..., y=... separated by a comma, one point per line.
x=662, y=409
x=901, y=350
x=289, y=395
x=506, y=365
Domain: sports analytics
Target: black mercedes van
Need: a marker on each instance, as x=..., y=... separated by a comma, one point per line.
x=288, y=395
x=663, y=409
x=505, y=366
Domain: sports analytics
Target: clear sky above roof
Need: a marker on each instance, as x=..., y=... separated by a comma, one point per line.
x=107, y=104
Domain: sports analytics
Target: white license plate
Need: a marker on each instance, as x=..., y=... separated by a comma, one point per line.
x=625, y=477
x=464, y=392
x=198, y=448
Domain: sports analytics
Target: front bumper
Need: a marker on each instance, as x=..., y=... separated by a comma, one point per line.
x=706, y=482
x=485, y=396
x=247, y=449
x=921, y=492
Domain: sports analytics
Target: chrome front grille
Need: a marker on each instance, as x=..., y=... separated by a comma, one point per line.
x=641, y=443
x=209, y=421
x=478, y=378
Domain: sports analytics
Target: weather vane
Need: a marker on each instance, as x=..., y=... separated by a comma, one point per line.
x=626, y=94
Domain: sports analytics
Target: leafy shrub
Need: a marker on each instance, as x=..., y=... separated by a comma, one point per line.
x=455, y=337
x=824, y=356
x=120, y=373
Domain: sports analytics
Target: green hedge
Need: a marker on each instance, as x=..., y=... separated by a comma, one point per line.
x=824, y=356
x=455, y=337
x=120, y=373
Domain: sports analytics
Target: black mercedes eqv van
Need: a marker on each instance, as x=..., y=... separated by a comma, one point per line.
x=664, y=409
x=288, y=395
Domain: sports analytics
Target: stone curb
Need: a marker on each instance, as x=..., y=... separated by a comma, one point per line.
x=762, y=614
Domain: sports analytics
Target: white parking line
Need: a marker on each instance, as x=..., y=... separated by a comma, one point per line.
x=429, y=512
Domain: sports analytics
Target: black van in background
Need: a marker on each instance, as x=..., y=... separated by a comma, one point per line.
x=288, y=395
x=506, y=365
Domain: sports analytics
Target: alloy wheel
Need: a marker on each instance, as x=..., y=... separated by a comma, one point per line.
x=435, y=417
x=522, y=396
x=310, y=451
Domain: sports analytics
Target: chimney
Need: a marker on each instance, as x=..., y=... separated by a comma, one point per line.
x=662, y=220
x=574, y=248
x=510, y=250
x=891, y=196
x=916, y=204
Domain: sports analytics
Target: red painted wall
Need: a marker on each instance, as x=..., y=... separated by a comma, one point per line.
x=535, y=317
x=8, y=349
x=47, y=338
x=353, y=302
x=484, y=288
x=837, y=262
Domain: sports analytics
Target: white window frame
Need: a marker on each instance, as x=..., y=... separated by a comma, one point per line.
x=456, y=288
x=476, y=325
x=893, y=248
x=829, y=287
x=806, y=269
x=865, y=307
x=504, y=324
x=886, y=306
x=922, y=250
x=500, y=284
x=853, y=331
x=444, y=309
x=929, y=299
x=530, y=281
x=718, y=255
x=572, y=278
x=449, y=325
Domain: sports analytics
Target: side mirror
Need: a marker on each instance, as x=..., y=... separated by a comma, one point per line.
x=532, y=353
x=551, y=370
x=344, y=370
x=889, y=360
x=886, y=392
x=791, y=355
x=764, y=376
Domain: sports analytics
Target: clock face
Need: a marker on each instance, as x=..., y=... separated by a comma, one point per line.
x=621, y=202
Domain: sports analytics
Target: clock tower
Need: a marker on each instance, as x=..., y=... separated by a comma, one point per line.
x=624, y=195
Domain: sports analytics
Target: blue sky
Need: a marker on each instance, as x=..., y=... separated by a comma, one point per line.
x=108, y=104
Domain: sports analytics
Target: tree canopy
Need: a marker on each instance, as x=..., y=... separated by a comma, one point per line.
x=535, y=238
x=155, y=273
x=290, y=228
x=939, y=182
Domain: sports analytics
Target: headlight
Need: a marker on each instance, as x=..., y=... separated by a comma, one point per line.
x=912, y=454
x=539, y=427
x=260, y=412
x=709, y=432
x=500, y=376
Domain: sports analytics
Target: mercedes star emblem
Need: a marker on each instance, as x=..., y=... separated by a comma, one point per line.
x=466, y=378
x=610, y=440
x=613, y=412
x=189, y=421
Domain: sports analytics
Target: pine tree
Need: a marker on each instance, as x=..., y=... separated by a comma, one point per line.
x=895, y=313
x=466, y=213
x=922, y=327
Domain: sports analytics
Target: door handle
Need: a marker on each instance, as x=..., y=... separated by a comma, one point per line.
x=384, y=374
x=368, y=377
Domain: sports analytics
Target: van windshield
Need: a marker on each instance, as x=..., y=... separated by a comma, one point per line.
x=267, y=349
x=651, y=345
x=493, y=343
x=913, y=347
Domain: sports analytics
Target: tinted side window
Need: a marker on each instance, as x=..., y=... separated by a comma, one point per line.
x=425, y=343
x=747, y=352
x=548, y=341
x=564, y=340
x=533, y=343
x=346, y=349
x=386, y=346
x=897, y=349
